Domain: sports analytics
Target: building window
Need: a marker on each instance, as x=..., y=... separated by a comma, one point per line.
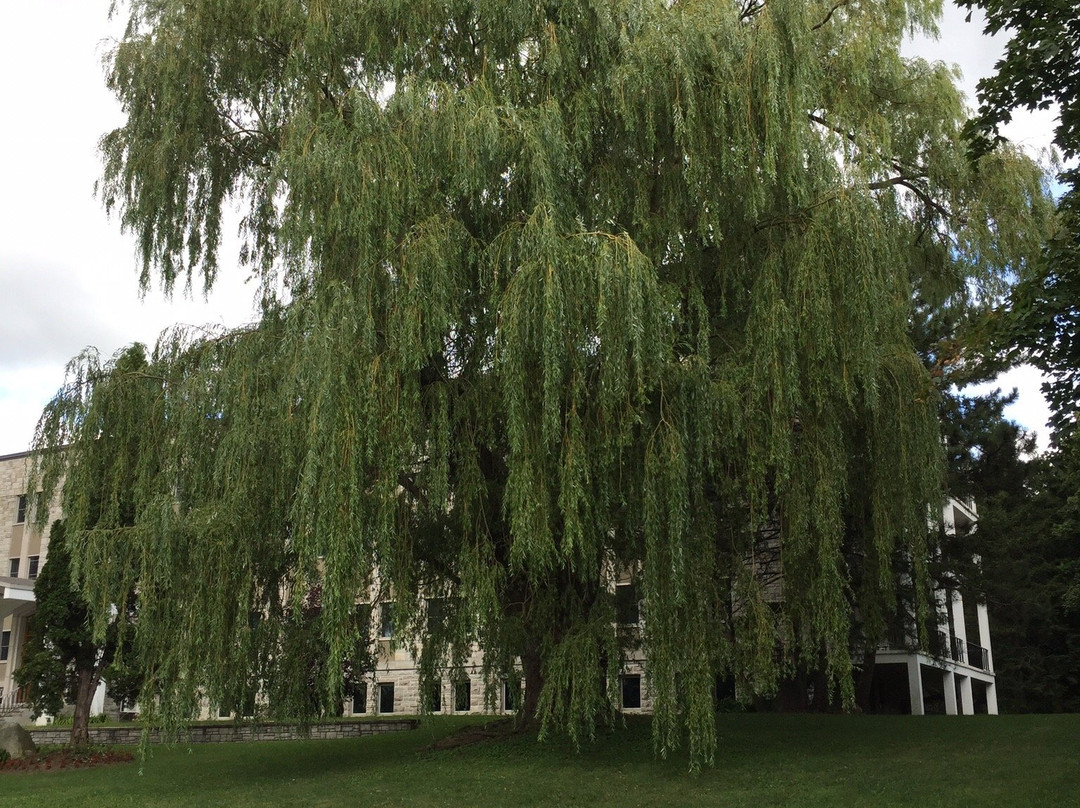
x=20, y=516
x=359, y=698
x=32, y=564
x=13, y=568
x=463, y=696
x=626, y=605
x=386, y=697
x=631, y=692
x=363, y=621
x=511, y=695
x=5, y=643
x=436, y=614
x=435, y=697
x=386, y=620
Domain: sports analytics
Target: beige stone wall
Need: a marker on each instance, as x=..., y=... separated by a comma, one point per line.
x=231, y=733
x=12, y=484
x=18, y=539
x=396, y=666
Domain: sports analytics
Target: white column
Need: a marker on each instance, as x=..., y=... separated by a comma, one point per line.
x=959, y=626
x=941, y=617
x=991, y=699
x=914, y=677
x=950, y=692
x=967, y=703
x=18, y=631
x=984, y=634
x=97, y=704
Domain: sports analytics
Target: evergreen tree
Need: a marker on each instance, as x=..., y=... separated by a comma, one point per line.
x=1041, y=68
x=1026, y=545
x=550, y=291
x=63, y=662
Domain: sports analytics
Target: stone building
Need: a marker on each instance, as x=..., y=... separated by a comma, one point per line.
x=956, y=676
x=22, y=553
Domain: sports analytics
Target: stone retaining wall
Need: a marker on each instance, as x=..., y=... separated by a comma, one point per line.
x=230, y=733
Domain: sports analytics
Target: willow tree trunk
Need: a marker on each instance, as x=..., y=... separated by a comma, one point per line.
x=864, y=687
x=84, y=696
x=534, y=683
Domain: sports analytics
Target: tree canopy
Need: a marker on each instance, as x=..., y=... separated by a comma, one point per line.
x=550, y=292
x=1035, y=534
x=1040, y=69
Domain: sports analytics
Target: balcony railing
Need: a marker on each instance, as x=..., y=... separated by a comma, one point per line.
x=978, y=657
x=11, y=703
x=944, y=647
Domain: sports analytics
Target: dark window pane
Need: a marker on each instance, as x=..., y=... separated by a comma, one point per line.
x=363, y=621
x=386, y=622
x=436, y=616
x=33, y=564
x=631, y=692
x=626, y=604
x=359, y=699
x=386, y=697
x=463, y=696
x=511, y=693
x=21, y=515
x=13, y=568
x=5, y=643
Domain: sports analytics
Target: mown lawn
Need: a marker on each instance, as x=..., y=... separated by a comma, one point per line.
x=764, y=760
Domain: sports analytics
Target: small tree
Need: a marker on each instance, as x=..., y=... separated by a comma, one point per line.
x=63, y=661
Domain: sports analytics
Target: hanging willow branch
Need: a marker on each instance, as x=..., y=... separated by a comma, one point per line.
x=571, y=289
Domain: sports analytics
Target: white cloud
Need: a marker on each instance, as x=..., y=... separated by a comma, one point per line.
x=68, y=277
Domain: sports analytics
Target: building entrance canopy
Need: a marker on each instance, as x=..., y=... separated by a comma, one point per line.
x=16, y=597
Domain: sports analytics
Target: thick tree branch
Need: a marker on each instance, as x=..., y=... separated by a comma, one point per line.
x=832, y=11
x=924, y=197
x=750, y=9
x=905, y=177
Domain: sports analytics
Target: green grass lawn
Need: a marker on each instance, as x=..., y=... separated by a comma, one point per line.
x=764, y=760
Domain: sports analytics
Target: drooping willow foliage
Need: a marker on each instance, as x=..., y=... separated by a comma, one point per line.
x=551, y=291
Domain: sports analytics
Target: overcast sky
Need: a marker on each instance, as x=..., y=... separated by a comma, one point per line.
x=68, y=277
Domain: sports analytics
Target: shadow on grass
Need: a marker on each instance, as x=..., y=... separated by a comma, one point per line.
x=761, y=760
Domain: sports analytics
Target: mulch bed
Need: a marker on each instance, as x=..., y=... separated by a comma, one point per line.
x=475, y=734
x=62, y=759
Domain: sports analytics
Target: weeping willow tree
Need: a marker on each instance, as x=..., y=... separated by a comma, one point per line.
x=550, y=292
